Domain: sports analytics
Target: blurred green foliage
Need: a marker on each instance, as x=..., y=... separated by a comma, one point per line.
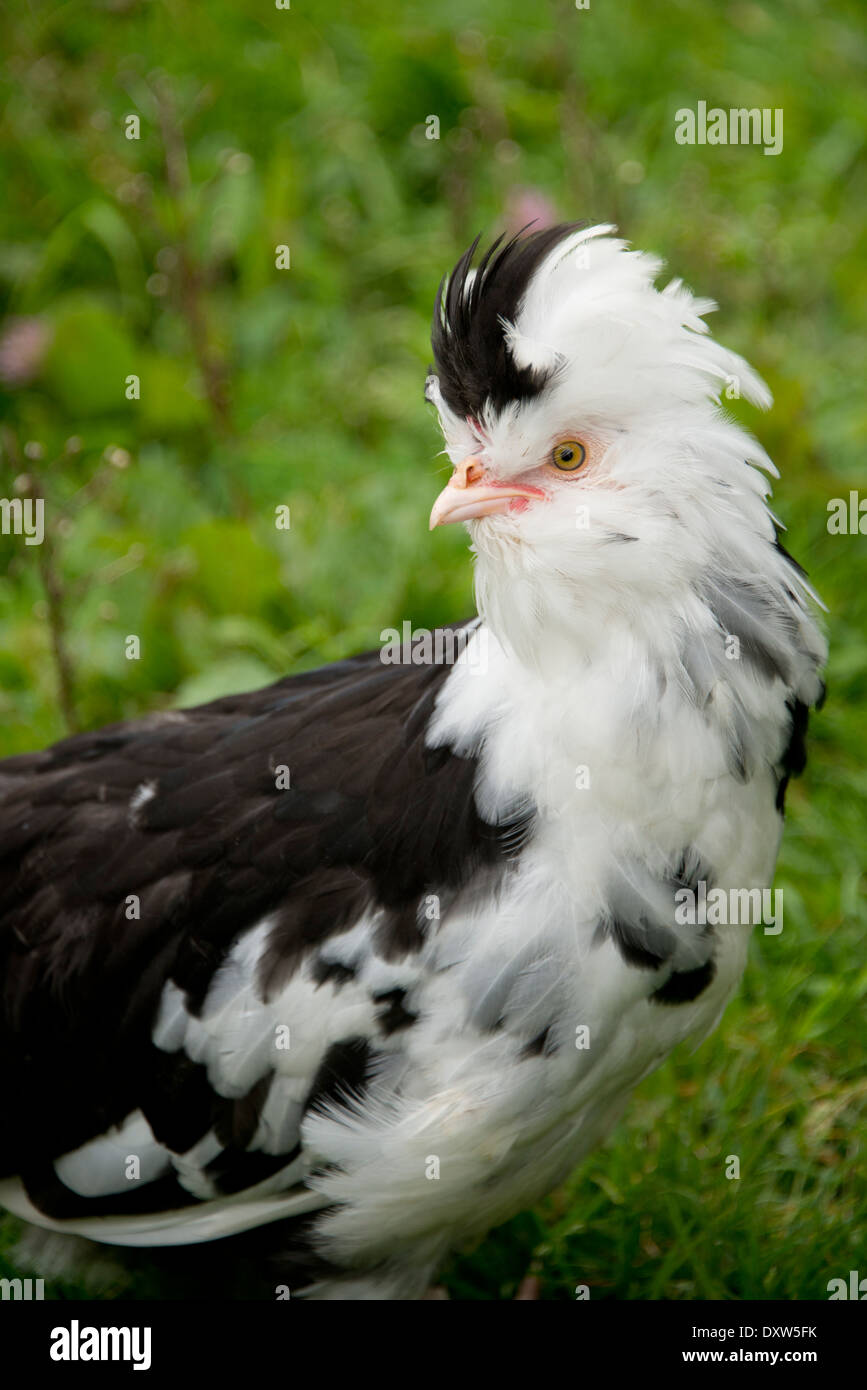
x=263, y=387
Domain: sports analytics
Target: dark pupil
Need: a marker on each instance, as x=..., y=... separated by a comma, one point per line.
x=566, y=455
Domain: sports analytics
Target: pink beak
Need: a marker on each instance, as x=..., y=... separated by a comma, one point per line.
x=469, y=494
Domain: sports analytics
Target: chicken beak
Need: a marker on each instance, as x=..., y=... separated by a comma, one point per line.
x=465, y=500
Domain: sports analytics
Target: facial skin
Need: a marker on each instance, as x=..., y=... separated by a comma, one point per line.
x=475, y=490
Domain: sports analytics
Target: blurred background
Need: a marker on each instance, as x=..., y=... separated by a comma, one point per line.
x=308, y=128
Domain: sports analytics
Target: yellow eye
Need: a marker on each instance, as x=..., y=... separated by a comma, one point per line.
x=568, y=455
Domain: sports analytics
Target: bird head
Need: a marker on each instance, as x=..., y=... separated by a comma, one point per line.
x=593, y=462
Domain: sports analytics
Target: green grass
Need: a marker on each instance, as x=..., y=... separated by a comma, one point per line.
x=304, y=127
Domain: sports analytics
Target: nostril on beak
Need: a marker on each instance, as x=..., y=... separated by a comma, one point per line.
x=467, y=472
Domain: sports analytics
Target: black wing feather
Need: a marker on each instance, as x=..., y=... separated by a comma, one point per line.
x=367, y=820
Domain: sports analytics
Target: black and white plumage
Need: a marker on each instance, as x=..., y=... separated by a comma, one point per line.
x=347, y=1008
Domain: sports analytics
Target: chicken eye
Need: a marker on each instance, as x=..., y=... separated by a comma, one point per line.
x=568, y=455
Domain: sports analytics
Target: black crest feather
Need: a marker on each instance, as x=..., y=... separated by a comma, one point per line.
x=472, y=361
